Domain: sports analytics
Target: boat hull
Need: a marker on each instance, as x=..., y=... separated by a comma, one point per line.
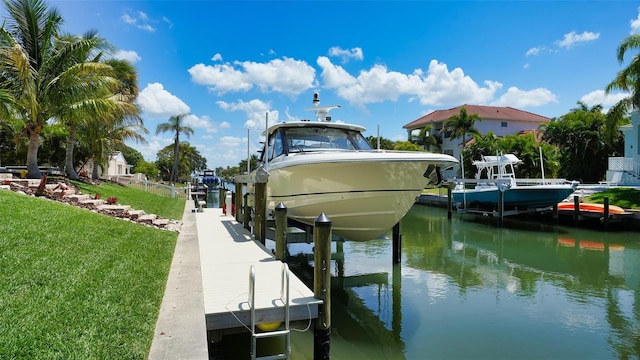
x=521, y=197
x=364, y=195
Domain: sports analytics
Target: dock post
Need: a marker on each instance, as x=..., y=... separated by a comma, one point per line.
x=576, y=209
x=397, y=243
x=449, y=203
x=500, y=206
x=281, y=232
x=322, y=287
x=606, y=213
x=261, y=212
x=247, y=213
x=221, y=195
x=238, y=202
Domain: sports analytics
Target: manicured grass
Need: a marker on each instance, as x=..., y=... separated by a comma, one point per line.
x=75, y=284
x=626, y=198
x=166, y=207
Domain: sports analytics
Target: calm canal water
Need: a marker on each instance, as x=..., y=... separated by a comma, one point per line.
x=466, y=289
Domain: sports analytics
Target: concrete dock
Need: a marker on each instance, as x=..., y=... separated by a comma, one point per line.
x=208, y=286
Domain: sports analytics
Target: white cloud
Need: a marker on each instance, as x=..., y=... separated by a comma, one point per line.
x=256, y=111
x=216, y=57
x=435, y=87
x=128, y=55
x=156, y=101
x=635, y=24
x=517, y=98
x=286, y=75
x=346, y=55
x=534, y=51
x=140, y=20
x=202, y=122
x=572, y=38
x=600, y=97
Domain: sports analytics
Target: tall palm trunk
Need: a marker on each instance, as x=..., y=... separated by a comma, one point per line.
x=174, y=169
x=33, y=171
x=68, y=160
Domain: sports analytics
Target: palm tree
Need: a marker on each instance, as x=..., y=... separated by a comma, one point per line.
x=109, y=131
x=427, y=139
x=461, y=124
x=43, y=70
x=175, y=125
x=99, y=98
x=628, y=79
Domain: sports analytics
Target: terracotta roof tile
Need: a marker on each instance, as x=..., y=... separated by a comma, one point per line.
x=485, y=112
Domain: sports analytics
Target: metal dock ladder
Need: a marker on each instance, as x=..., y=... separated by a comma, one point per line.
x=284, y=298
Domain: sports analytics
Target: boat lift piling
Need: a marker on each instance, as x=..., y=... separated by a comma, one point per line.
x=322, y=287
x=281, y=232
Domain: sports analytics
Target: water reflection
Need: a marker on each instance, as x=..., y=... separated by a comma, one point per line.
x=467, y=289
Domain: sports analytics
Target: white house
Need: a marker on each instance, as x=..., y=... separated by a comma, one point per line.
x=501, y=120
x=626, y=170
x=116, y=167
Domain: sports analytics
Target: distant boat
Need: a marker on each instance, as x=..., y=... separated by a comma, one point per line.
x=329, y=167
x=496, y=174
x=209, y=177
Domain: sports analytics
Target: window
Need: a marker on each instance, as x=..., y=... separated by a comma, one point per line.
x=504, y=124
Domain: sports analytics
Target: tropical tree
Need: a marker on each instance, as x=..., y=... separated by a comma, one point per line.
x=101, y=97
x=42, y=70
x=110, y=134
x=585, y=142
x=190, y=162
x=427, y=139
x=525, y=146
x=253, y=164
x=176, y=126
x=385, y=144
x=628, y=79
x=461, y=124
x=406, y=146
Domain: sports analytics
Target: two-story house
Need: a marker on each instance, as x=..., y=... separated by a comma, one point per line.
x=501, y=120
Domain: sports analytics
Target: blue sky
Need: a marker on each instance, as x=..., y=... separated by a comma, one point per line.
x=228, y=63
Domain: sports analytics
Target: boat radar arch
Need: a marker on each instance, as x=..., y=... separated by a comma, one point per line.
x=322, y=112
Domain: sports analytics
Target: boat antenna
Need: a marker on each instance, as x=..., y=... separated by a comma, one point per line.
x=322, y=112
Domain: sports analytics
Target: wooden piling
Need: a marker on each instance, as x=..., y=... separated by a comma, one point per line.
x=261, y=212
x=397, y=243
x=281, y=232
x=606, y=213
x=322, y=287
x=449, y=203
x=246, y=221
x=576, y=209
x=238, y=202
x=500, y=206
x=222, y=193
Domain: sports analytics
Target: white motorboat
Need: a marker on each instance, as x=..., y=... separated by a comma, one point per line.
x=326, y=167
x=496, y=174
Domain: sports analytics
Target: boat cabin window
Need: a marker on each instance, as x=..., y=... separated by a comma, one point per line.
x=323, y=138
x=276, y=146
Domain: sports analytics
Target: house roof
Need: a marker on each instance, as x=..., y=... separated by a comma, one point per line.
x=499, y=113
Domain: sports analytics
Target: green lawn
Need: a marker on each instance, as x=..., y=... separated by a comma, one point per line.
x=166, y=207
x=626, y=198
x=76, y=284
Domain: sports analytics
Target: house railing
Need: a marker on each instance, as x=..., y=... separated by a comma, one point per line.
x=624, y=164
x=155, y=188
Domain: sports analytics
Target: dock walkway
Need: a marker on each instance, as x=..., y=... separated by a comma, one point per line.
x=227, y=251
x=208, y=286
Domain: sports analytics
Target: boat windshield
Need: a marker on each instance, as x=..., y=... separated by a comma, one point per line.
x=323, y=138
